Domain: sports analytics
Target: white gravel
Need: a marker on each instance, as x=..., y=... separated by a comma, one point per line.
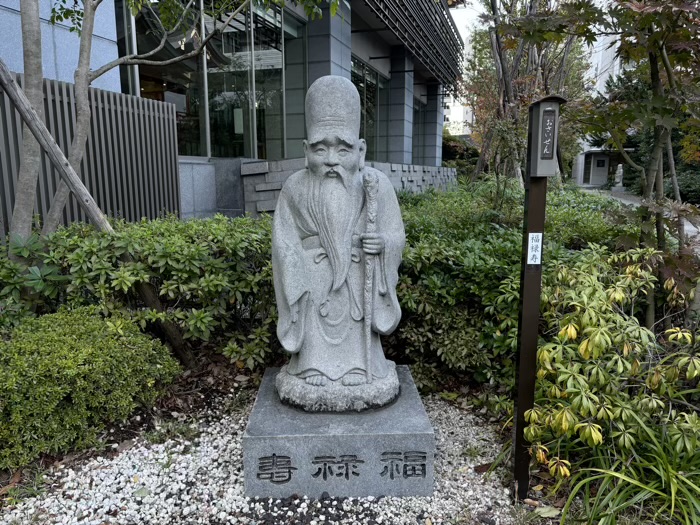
x=181, y=482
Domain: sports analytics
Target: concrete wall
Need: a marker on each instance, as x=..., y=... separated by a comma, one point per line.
x=262, y=181
x=198, y=195
x=599, y=175
x=59, y=45
x=369, y=48
x=238, y=186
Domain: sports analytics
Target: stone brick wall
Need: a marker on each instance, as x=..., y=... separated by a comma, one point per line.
x=263, y=180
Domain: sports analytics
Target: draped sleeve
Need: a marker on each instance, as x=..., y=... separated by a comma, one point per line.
x=386, y=312
x=289, y=273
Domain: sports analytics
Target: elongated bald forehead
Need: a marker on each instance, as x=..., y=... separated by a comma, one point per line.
x=332, y=107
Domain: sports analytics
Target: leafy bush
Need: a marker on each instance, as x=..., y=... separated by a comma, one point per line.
x=688, y=185
x=575, y=219
x=63, y=376
x=214, y=277
x=611, y=400
x=459, y=284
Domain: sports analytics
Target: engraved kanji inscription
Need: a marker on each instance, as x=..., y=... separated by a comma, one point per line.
x=275, y=469
x=548, y=127
x=336, y=466
x=393, y=462
x=411, y=464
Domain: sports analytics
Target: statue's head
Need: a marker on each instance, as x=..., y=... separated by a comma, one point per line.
x=333, y=146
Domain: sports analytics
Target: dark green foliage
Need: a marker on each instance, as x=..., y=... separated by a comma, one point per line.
x=459, y=286
x=214, y=277
x=459, y=153
x=575, y=219
x=688, y=185
x=63, y=376
x=456, y=148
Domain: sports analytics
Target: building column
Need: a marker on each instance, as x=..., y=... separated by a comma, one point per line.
x=329, y=44
x=401, y=106
x=432, y=129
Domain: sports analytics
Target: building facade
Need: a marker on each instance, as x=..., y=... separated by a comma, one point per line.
x=595, y=166
x=245, y=96
x=242, y=101
x=59, y=44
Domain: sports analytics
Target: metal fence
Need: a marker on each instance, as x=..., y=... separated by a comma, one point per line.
x=130, y=163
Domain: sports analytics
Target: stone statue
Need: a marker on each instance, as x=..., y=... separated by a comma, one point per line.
x=337, y=241
x=618, y=175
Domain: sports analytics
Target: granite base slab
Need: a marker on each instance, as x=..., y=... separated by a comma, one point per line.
x=388, y=451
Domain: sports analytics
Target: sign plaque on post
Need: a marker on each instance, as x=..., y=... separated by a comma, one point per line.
x=543, y=128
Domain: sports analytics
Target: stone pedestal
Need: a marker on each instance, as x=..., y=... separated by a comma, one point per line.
x=389, y=451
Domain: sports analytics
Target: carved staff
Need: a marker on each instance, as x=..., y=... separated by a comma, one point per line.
x=370, y=182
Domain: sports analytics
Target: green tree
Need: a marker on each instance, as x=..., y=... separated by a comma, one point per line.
x=506, y=72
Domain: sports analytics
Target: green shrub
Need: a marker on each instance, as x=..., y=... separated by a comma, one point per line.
x=63, y=376
x=575, y=219
x=688, y=185
x=614, y=406
x=214, y=278
x=215, y=281
x=459, y=285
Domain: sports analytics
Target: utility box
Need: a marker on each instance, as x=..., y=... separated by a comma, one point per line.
x=543, y=132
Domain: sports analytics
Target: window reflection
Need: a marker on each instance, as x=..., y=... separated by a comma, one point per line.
x=230, y=107
x=256, y=81
x=373, y=90
x=267, y=32
x=296, y=83
x=419, y=109
x=179, y=83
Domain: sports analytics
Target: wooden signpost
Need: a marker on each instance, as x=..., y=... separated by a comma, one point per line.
x=543, y=129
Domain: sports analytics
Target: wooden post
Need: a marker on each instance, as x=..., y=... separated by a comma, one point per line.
x=530, y=290
x=543, y=127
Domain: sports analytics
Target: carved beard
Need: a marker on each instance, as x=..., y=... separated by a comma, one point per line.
x=335, y=214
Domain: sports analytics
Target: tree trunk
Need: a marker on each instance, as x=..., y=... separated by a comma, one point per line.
x=30, y=163
x=483, y=155
x=69, y=175
x=676, y=192
x=660, y=230
x=82, y=120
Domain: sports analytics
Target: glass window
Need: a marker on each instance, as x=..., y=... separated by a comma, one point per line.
x=369, y=83
x=254, y=89
x=230, y=106
x=296, y=83
x=419, y=109
x=269, y=83
x=382, y=140
x=179, y=83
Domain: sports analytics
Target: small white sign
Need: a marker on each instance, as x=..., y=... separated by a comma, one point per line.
x=534, y=249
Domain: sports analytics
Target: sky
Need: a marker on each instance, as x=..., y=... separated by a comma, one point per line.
x=466, y=18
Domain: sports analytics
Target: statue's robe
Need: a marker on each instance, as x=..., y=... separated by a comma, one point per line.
x=321, y=312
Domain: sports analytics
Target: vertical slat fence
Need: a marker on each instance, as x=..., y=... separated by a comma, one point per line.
x=130, y=161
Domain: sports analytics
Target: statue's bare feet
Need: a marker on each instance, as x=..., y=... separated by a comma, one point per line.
x=316, y=380
x=353, y=379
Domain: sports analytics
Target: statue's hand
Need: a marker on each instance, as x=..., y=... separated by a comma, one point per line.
x=372, y=243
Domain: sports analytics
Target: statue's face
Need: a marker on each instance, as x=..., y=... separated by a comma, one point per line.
x=334, y=156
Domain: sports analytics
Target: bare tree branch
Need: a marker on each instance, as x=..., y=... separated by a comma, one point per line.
x=142, y=60
x=625, y=155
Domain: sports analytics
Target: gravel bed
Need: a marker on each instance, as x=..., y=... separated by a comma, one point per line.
x=201, y=481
